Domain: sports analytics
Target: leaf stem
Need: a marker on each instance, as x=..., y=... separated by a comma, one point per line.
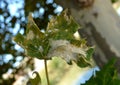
x=46, y=71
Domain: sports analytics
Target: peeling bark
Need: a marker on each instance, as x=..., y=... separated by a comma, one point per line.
x=101, y=26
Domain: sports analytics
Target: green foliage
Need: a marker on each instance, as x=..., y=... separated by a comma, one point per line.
x=107, y=76
x=58, y=40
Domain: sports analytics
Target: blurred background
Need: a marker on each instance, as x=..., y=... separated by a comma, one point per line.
x=14, y=65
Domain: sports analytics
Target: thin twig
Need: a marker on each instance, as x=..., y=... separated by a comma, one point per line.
x=46, y=71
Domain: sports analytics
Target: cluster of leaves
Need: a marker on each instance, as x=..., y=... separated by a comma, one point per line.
x=56, y=41
x=107, y=76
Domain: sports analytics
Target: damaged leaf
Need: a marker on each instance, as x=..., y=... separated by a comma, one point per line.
x=34, y=43
x=57, y=41
x=63, y=42
x=62, y=26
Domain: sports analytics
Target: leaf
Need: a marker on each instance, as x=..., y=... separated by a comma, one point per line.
x=58, y=40
x=19, y=39
x=63, y=44
x=106, y=76
x=62, y=26
x=32, y=30
x=90, y=52
x=36, y=80
x=34, y=42
x=83, y=62
x=69, y=52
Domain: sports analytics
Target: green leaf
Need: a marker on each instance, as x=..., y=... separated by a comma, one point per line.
x=58, y=40
x=83, y=62
x=34, y=43
x=63, y=44
x=33, y=31
x=90, y=52
x=62, y=26
x=19, y=39
x=36, y=80
x=106, y=76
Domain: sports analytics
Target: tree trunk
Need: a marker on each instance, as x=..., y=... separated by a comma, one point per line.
x=101, y=27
